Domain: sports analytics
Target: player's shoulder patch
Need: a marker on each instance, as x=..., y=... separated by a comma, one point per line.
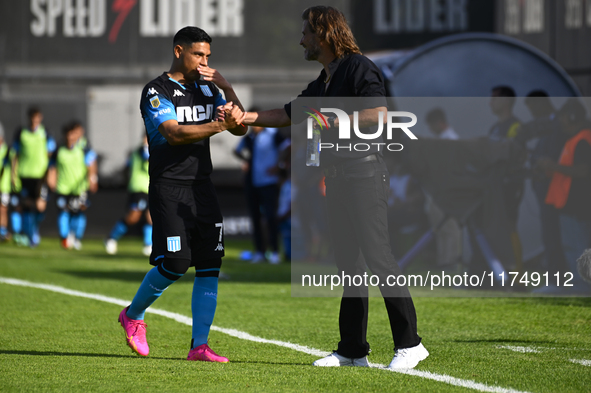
x=155, y=101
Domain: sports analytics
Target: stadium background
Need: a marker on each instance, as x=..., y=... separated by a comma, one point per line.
x=89, y=59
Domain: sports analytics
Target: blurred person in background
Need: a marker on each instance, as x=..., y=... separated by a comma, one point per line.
x=137, y=202
x=544, y=132
x=284, y=204
x=72, y=174
x=570, y=188
x=4, y=187
x=439, y=126
x=448, y=236
x=259, y=150
x=508, y=127
x=406, y=215
x=33, y=147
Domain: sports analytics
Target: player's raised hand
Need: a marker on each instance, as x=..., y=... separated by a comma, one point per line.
x=213, y=75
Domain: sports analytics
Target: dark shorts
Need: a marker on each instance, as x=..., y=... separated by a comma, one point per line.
x=187, y=223
x=137, y=201
x=72, y=203
x=34, y=188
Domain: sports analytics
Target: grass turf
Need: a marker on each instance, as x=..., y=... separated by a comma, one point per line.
x=56, y=342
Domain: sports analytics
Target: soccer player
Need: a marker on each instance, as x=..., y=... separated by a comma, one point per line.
x=33, y=147
x=179, y=110
x=356, y=204
x=139, y=181
x=4, y=187
x=72, y=173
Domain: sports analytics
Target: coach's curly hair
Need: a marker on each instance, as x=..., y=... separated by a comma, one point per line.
x=331, y=25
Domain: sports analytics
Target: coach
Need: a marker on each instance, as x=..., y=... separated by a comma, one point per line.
x=355, y=190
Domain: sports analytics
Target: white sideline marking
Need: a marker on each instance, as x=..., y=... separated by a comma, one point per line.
x=245, y=336
x=584, y=362
x=516, y=348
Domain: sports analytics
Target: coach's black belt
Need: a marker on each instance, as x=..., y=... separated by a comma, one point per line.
x=333, y=171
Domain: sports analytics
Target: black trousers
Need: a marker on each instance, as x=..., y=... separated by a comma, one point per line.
x=358, y=223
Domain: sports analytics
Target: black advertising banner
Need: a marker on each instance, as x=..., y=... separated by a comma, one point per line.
x=399, y=24
x=139, y=32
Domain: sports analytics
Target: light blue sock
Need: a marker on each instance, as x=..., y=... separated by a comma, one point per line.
x=3, y=231
x=63, y=224
x=79, y=225
x=118, y=230
x=16, y=221
x=37, y=219
x=150, y=289
x=28, y=224
x=147, y=235
x=203, y=305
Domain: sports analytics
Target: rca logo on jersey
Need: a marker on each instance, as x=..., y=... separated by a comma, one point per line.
x=186, y=114
x=212, y=294
x=178, y=93
x=151, y=91
x=206, y=90
x=173, y=243
x=155, y=102
x=219, y=247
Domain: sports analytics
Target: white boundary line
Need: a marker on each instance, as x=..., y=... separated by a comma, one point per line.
x=245, y=336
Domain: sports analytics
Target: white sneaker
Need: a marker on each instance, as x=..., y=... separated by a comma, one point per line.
x=147, y=250
x=111, y=246
x=336, y=360
x=258, y=258
x=77, y=244
x=274, y=258
x=408, y=357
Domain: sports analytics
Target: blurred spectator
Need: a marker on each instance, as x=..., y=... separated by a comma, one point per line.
x=570, y=187
x=4, y=187
x=308, y=205
x=139, y=181
x=33, y=147
x=406, y=216
x=508, y=127
x=72, y=173
x=545, y=131
x=449, y=235
x=260, y=152
x=437, y=122
x=501, y=103
x=284, y=208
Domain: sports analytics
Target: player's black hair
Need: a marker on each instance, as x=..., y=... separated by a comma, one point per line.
x=538, y=93
x=436, y=115
x=573, y=110
x=539, y=103
x=33, y=111
x=72, y=125
x=504, y=91
x=189, y=35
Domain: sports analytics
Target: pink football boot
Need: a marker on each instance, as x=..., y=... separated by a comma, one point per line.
x=205, y=354
x=135, y=333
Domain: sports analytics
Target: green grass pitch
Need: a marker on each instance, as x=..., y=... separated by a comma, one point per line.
x=56, y=342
